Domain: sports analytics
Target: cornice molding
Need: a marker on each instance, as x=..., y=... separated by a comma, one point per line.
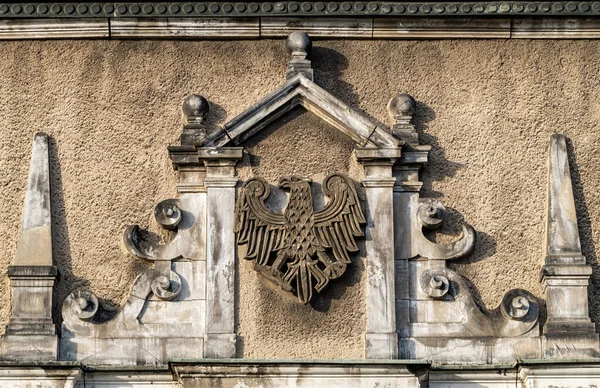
x=321, y=28
x=211, y=9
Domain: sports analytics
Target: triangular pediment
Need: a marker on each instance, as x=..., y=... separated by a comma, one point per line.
x=301, y=91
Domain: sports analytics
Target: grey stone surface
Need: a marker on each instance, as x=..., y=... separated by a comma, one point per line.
x=54, y=28
x=279, y=373
x=381, y=334
x=185, y=28
x=576, y=373
x=455, y=28
x=195, y=109
x=300, y=90
x=403, y=26
x=361, y=28
x=499, y=378
x=35, y=238
x=220, y=183
x=483, y=10
x=40, y=376
x=303, y=374
x=166, y=313
x=417, y=306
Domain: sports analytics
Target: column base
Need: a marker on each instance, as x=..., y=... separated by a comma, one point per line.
x=381, y=345
x=220, y=345
x=30, y=347
x=570, y=328
x=24, y=326
x=570, y=340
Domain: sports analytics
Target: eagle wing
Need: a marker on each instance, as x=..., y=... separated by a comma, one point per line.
x=263, y=230
x=339, y=223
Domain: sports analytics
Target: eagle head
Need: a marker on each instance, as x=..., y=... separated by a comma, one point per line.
x=290, y=182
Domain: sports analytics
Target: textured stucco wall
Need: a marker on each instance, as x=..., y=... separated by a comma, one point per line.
x=112, y=108
x=333, y=324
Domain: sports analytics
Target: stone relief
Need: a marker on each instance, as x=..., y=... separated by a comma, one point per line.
x=417, y=306
x=300, y=249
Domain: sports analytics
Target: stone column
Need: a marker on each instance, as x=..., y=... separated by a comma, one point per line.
x=220, y=185
x=568, y=332
x=31, y=333
x=381, y=337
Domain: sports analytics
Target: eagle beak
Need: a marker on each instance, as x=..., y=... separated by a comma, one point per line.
x=287, y=181
x=284, y=183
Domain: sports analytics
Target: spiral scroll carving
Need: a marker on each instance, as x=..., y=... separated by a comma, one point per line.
x=167, y=288
x=518, y=305
x=431, y=213
x=83, y=304
x=167, y=214
x=435, y=285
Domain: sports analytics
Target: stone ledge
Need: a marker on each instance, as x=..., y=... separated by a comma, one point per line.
x=32, y=271
x=405, y=27
x=398, y=373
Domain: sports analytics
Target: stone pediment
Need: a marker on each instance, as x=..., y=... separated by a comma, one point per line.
x=302, y=91
x=299, y=90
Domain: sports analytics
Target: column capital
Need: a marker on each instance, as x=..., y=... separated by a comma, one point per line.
x=375, y=181
x=378, y=156
x=223, y=155
x=195, y=156
x=220, y=181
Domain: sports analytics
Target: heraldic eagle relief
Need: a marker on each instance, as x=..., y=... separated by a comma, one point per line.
x=300, y=249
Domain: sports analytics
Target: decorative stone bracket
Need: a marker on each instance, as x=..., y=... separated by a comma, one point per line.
x=436, y=313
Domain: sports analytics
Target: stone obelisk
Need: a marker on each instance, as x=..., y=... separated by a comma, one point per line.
x=569, y=331
x=31, y=334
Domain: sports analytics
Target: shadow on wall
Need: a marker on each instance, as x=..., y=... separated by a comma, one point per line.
x=438, y=169
x=217, y=115
x=328, y=68
x=61, y=247
x=584, y=224
x=67, y=282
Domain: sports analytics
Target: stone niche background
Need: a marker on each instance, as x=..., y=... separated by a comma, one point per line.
x=112, y=107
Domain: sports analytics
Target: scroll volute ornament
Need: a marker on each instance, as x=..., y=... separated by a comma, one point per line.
x=300, y=249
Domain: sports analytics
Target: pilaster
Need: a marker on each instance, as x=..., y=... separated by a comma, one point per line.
x=406, y=203
x=220, y=183
x=381, y=337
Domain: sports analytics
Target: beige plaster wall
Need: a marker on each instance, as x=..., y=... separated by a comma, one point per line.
x=271, y=324
x=112, y=108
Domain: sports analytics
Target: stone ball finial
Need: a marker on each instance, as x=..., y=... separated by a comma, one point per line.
x=402, y=105
x=298, y=41
x=194, y=106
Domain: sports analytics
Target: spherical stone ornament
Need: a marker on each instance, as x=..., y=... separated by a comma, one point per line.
x=298, y=41
x=195, y=105
x=402, y=105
